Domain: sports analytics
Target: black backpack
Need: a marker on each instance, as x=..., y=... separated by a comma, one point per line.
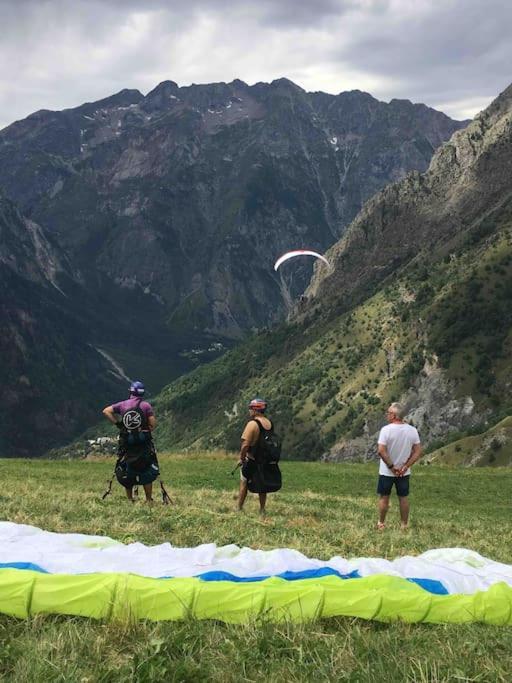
x=267, y=450
x=265, y=478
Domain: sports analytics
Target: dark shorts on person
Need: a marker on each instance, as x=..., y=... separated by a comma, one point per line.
x=385, y=485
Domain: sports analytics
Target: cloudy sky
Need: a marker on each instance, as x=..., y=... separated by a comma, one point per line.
x=450, y=54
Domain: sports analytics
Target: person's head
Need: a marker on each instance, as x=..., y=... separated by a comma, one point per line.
x=257, y=406
x=137, y=389
x=395, y=412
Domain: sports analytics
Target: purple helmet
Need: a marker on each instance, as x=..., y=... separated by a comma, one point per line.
x=137, y=388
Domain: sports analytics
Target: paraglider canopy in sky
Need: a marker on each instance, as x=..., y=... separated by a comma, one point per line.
x=298, y=252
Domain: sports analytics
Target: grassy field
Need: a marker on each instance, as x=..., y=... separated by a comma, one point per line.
x=323, y=510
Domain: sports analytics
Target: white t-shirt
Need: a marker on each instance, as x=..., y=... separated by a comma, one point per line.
x=399, y=439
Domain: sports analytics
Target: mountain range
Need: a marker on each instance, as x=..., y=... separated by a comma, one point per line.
x=138, y=233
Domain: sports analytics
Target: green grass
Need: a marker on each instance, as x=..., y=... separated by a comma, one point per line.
x=323, y=510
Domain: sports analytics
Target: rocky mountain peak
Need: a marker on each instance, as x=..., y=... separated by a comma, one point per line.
x=123, y=98
x=286, y=84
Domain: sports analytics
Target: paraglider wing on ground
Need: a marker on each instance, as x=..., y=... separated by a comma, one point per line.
x=43, y=572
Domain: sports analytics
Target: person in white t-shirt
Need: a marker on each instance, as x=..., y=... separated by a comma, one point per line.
x=399, y=449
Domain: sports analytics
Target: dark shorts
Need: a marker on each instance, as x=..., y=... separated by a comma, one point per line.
x=385, y=485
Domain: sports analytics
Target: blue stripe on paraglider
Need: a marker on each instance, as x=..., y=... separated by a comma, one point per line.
x=23, y=565
x=287, y=576
x=429, y=585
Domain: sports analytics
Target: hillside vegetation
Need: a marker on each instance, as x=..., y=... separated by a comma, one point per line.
x=323, y=510
x=416, y=307
x=333, y=380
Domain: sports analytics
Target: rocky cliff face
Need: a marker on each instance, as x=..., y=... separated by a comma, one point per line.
x=463, y=198
x=468, y=178
x=51, y=375
x=188, y=195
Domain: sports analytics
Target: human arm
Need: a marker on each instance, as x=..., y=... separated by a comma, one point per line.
x=385, y=457
x=244, y=450
x=151, y=422
x=109, y=414
x=249, y=439
x=413, y=457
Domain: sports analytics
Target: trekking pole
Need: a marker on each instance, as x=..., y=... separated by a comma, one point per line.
x=234, y=470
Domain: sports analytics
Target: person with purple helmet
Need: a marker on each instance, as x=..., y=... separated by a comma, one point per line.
x=137, y=462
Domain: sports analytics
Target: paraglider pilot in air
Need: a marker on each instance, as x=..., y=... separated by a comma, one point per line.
x=137, y=462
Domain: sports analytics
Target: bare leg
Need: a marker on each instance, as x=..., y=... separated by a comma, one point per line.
x=404, y=511
x=383, y=510
x=263, y=500
x=148, y=490
x=129, y=494
x=242, y=495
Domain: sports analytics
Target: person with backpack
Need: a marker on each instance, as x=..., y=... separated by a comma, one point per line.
x=259, y=456
x=137, y=462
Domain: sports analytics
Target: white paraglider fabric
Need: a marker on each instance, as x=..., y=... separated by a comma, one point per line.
x=298, y=252
x=27, y=547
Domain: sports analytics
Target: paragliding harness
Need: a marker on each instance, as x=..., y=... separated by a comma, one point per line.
x=120, y=473
x=264, y=475
x=136, y=452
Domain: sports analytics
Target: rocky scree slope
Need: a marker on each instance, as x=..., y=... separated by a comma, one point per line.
x=416, y=308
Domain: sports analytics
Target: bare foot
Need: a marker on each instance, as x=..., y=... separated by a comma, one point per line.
x=380, y=526
x=404, y=527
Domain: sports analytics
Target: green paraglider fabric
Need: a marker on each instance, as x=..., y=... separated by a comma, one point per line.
x=25, y=593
